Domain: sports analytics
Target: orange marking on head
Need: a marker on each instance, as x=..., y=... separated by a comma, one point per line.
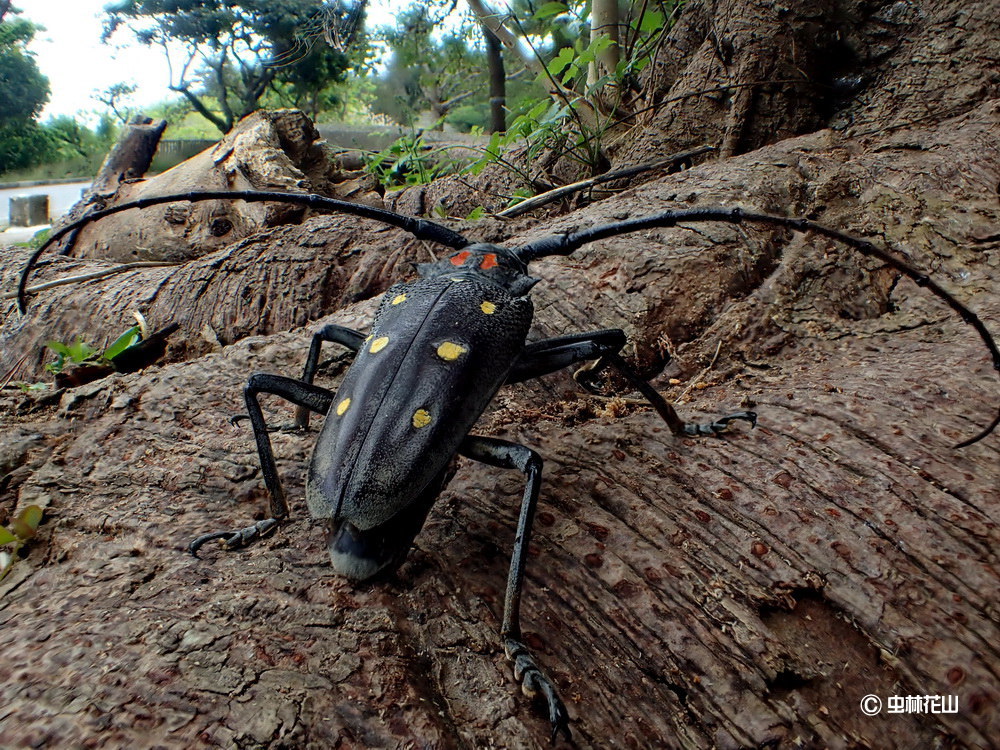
x=489, y=261
x=460, y=258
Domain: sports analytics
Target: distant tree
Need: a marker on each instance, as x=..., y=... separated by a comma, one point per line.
x=310, y=75
x=224, y=55
x=429, y=71
x=23, y=93
x=114, y=97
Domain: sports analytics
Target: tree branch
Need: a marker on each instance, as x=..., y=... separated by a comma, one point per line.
x=201, y=109
x=564, y=190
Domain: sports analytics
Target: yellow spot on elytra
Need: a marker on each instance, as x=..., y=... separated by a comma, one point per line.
x=450, y=351
x=421, y=418
x=342, y=407
x=378, y=344
x=369, y=337
x=398, y=298
x=488, y=307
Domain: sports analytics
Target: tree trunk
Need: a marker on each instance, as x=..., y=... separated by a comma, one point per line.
x=498, y=82
x=604, y=23
x=741, y=591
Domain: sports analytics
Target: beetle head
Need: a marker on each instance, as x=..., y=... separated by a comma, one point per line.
x=362, y=554
x=493, y=264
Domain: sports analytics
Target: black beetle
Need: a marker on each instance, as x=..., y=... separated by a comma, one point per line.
x=439, y=350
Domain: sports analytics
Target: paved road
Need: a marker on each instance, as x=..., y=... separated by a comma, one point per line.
x=61, y=197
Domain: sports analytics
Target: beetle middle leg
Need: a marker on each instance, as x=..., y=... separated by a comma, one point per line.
x=549, y=355
x=533, y=680
x=303, y=395
x=334, y=334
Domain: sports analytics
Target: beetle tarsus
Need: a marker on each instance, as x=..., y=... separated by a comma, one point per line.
x=534, y=682
x=287, y=427
x=721, y=424
x=232, y=540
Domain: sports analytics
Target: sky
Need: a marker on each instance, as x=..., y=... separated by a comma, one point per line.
x=70, y=53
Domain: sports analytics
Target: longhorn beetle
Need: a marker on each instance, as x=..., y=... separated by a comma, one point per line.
x=439, y=350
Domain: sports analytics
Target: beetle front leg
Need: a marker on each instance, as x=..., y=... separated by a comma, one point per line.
x=301, y=394
x=677, y=425
x=550, y=355
x=526, y=670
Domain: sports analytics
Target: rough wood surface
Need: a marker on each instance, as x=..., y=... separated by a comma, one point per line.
x=131, y=155
x=743, y=591
x=268, y=150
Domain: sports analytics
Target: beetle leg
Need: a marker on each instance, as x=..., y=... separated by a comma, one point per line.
x=550, y=355
x=526, y=670
x=236, y=539
x=335, y=334
x=301, y=394
x=677, y=425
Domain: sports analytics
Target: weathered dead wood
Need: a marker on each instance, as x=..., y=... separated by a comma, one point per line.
x=778, y=59
x=769, y=71
x=267, y=150
x=275, y=280
x=131, y=155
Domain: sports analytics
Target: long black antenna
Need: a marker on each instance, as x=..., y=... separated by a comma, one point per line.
x=419, y=228
x=564, y=244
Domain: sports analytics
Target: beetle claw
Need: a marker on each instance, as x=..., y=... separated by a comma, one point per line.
x=232, y=540
x=721, y=424
x=534, y=682
x=287, y=427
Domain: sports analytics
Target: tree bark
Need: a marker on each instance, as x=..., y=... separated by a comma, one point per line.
x=498, y=82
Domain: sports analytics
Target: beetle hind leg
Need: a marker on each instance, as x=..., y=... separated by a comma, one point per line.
x=526, y=670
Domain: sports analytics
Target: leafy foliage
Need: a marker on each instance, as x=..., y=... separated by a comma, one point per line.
x=234, y=52
x=572, y=124
x=80, y=352
x=23, y=93
x=21, y=530
x=439, y=69
x=408, y=161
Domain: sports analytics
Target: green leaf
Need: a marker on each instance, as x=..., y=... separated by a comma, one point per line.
x=560, y=61
x=6, y=537
x=27, y=522
x=81, y=351
x=57, y=366
x=476, y=214
x=539, y=109
x=130, y=338
x=596, y=47
x=33, y=387
x=58, y=347
x=32, y=516
x=548, y=10
x=652, y=20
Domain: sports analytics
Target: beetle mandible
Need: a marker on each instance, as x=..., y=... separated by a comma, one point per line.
x=439, y=350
